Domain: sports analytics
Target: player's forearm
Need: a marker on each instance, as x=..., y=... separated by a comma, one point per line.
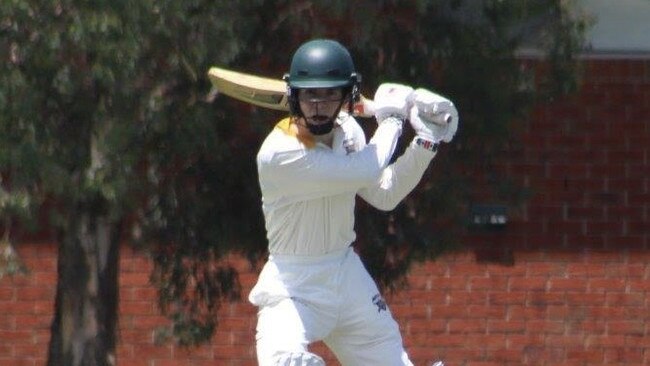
x=398, y=179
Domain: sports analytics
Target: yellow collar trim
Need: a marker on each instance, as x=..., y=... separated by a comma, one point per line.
x=285, y=126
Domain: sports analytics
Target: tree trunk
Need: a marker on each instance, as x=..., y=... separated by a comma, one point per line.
x=83, y=331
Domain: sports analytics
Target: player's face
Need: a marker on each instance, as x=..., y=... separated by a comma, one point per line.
x=319, y=105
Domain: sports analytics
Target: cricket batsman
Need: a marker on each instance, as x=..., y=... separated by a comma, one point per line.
x=311, y=167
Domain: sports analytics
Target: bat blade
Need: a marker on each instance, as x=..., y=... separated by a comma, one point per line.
x=256, y=90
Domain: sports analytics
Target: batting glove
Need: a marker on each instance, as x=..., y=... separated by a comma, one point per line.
x=392, y=100
x=432, y=116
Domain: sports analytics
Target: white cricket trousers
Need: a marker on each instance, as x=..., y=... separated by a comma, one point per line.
x=330, y=298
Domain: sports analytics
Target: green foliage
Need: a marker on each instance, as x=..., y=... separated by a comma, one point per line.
x=103, y=105
x=10, y=262
x=191, y=290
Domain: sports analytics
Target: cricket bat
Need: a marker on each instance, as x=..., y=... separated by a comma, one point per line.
x=272, y=93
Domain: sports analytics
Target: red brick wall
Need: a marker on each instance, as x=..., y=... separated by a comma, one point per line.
x=567, y=282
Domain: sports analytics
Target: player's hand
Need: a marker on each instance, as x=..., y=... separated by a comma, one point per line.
x=392, y=100
x=428, y=108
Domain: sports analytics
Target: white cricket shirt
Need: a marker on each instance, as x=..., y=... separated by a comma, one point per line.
x=308, y=189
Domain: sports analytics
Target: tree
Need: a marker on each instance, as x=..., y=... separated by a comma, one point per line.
x=108, y=138
x=101, y=110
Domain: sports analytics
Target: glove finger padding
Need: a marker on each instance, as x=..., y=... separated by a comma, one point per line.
x=392, y=100
x=429, y=106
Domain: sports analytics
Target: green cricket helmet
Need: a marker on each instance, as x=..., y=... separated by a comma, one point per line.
x=321, y=63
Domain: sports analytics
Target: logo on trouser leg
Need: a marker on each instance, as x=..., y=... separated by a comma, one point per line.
x=379, y=302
